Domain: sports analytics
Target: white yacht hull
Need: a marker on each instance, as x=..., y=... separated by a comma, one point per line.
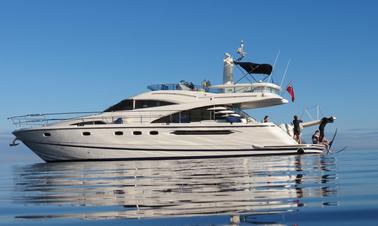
x=170, y=142
x=54, y=153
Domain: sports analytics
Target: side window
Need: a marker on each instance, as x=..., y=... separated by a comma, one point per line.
x=127, y=104
x=154, y=132
x=118, y=133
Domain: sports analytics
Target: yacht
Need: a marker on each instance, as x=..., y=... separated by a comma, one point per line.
x=170, y=121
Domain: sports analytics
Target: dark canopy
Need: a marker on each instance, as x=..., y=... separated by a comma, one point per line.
x=253, y=68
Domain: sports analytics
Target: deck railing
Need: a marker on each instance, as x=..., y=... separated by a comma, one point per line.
x=95, y=118
x=31, y=120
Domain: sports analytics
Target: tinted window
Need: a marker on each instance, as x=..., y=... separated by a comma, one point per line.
x=128, y=104
x=192, y=115
x=150, y=103
x=118, y=133
x=89, y=123
x=86, y=133
x=46, y=134
x=137, y=133
x=202, y=132
x=154, y=132
x=121, y=106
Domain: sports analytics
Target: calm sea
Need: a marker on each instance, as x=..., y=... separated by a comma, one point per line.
x=338, y=189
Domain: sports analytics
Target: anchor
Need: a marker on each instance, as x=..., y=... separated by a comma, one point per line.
x=14, y=142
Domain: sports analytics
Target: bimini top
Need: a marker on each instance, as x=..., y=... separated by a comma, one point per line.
x=253, y=68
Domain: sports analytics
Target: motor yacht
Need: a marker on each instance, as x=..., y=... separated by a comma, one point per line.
x=169, y=121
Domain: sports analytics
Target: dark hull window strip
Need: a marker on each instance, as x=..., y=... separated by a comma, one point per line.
x=202, y=132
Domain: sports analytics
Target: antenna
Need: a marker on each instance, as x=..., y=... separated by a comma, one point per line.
x=240, y=51
x=309, y=115
x=274, y=65
x=310, y=112
x=284, y=75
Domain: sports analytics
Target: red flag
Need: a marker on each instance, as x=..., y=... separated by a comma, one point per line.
x=290, y=90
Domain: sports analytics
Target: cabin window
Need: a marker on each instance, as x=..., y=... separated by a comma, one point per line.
x=118, y=133
x=46, y=134
x=137, y=133
x=192, y=115
x=86, y=133
x=154, y=132
x=150, y=103
x=130, y=104
x=127, y=104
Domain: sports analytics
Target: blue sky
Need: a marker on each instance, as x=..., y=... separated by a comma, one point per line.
x=59, y=56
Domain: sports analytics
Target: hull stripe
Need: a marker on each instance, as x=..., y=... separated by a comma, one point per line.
x=188, y=150
x=174, y=157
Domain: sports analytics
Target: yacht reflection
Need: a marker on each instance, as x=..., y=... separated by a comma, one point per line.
x=148, y=189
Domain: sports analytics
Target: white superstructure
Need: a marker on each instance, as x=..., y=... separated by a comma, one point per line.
x=170, y=121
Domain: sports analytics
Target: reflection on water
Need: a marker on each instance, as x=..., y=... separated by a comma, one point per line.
x=147, y=189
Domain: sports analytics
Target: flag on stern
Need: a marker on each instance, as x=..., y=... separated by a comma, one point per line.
x=290, y=90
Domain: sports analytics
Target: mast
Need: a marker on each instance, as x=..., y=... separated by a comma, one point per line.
x=229, y=64
x=228, y=68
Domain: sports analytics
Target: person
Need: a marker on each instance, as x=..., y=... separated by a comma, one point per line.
x=322, y=125
x=315, y=137
x=266, y=118
x=191, y=86
x=204, y=84
x=297, y=129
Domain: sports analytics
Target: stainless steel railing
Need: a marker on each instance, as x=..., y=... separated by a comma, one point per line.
x=31, y=120
x=93, y=118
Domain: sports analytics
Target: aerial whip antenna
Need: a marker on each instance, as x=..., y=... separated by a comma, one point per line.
x=274, y=65
x=284, y=75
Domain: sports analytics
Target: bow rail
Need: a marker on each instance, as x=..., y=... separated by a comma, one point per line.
x=31, y=120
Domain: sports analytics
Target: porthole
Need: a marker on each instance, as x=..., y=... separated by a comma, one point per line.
x=137, y=132
x=46, y=134
x=86, y=133
x=154, y=132
x=118, y=133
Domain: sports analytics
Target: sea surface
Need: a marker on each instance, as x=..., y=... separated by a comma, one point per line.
x=337, y=189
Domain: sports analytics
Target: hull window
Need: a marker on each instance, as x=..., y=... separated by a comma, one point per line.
x=86, y=133
x=154, y=132
x=202, y=132
x=137, y=133
x=46, y=134
x=118, y=133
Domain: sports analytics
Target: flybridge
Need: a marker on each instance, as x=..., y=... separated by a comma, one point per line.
x=258, y=87
x=185, y=86
x=229, y=86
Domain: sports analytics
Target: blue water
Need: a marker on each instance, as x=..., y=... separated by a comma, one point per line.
x=338, y=189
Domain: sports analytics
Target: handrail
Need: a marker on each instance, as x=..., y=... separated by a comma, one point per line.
x=31, y=120
x=42, y=119
x=58, y=113
x=89, y=118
